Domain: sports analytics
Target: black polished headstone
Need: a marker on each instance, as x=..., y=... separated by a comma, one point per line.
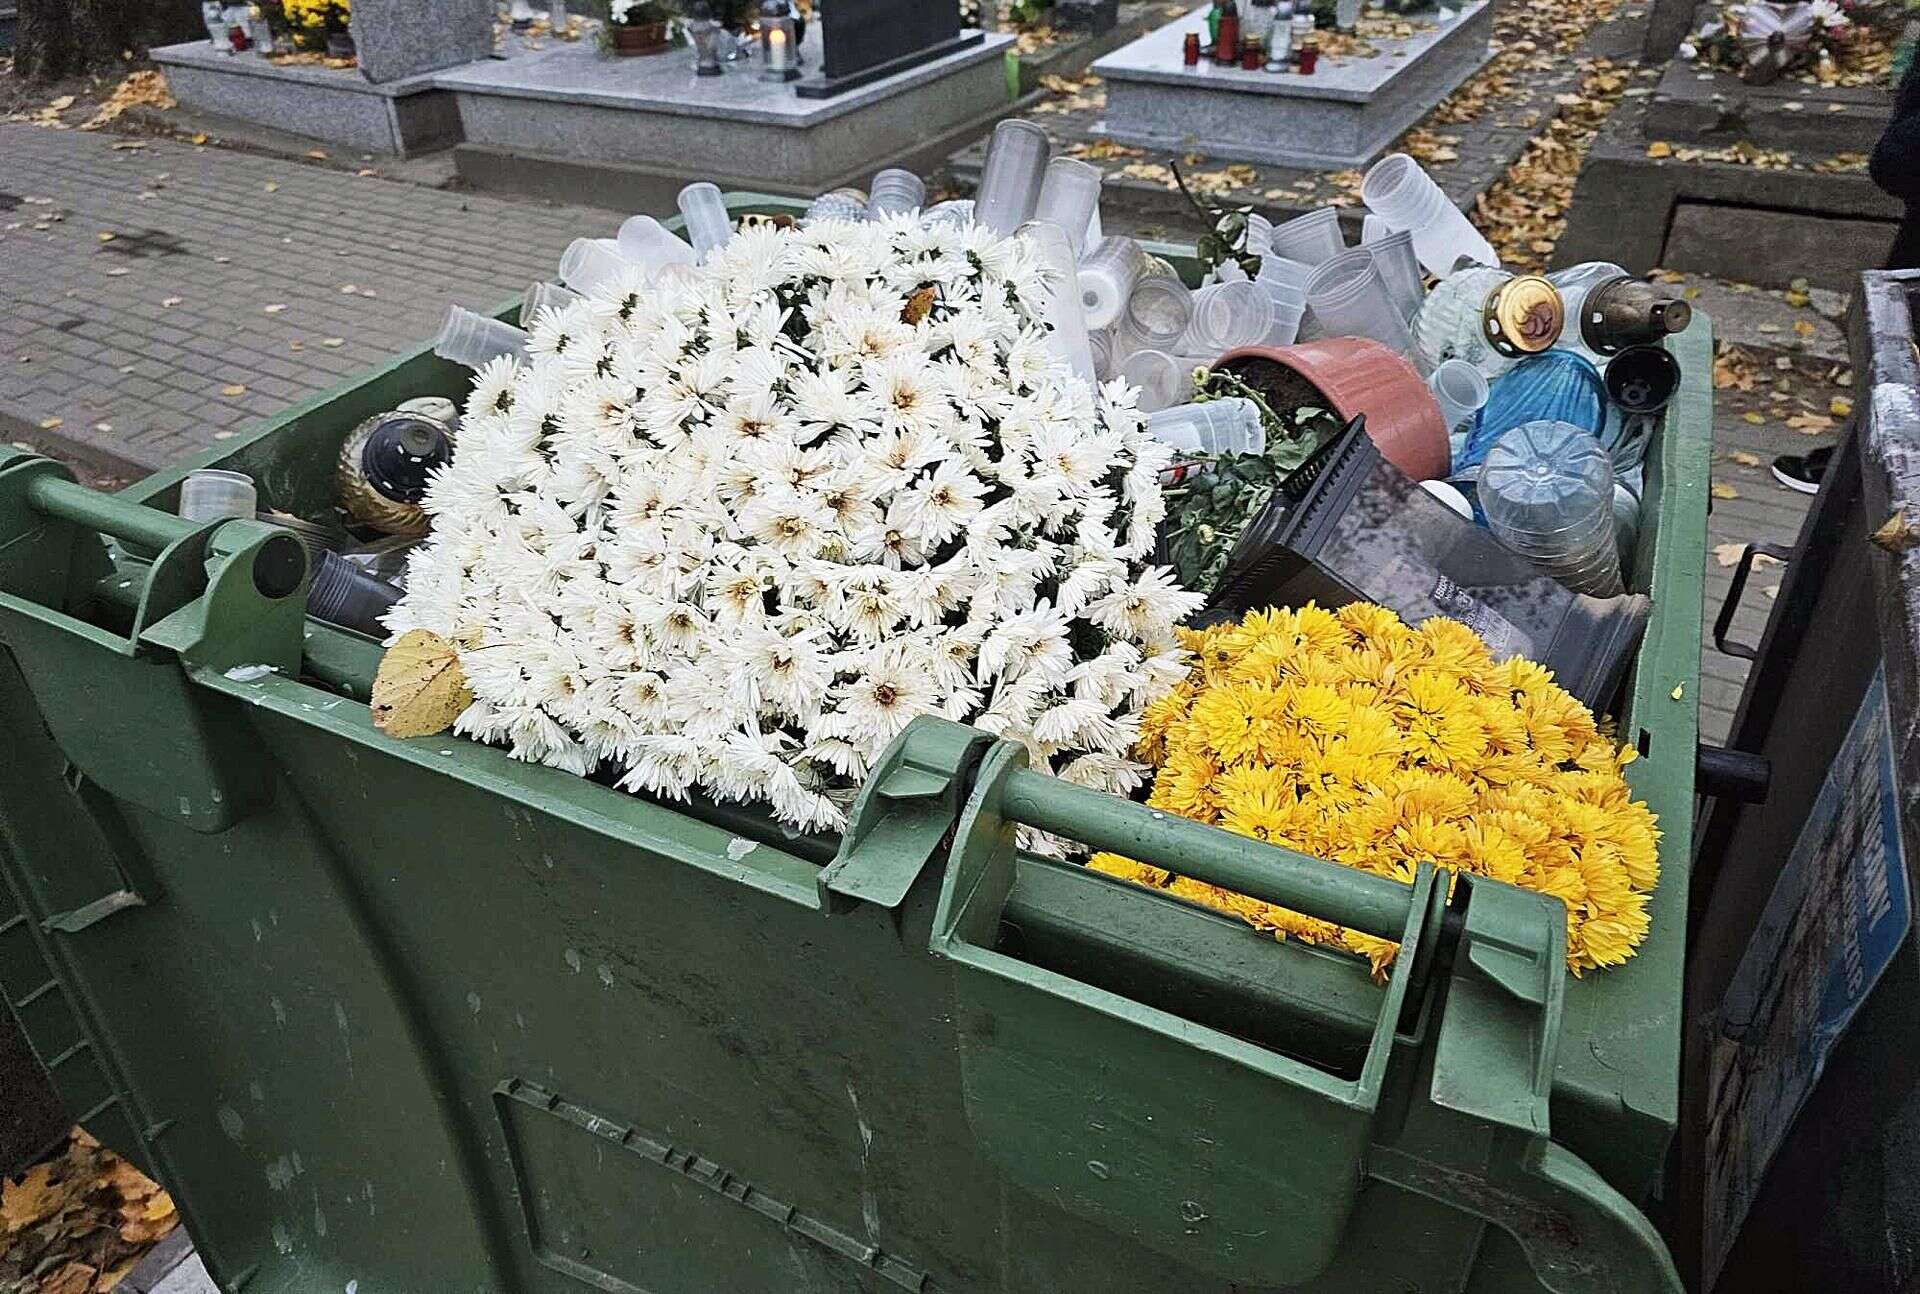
x=868, y=39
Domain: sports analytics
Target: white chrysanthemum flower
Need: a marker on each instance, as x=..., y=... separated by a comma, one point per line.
x=733, y=528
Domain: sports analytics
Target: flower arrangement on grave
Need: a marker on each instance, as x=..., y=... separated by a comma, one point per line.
x=640, y=26
x=1349, y=736
x=729, y=530
x=320, y=16
x=1820, y=40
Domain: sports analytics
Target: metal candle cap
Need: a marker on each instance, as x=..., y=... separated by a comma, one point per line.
x=1627, y=312
x=1524, y=316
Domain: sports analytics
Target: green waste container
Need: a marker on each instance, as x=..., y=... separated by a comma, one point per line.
x=407, y=1015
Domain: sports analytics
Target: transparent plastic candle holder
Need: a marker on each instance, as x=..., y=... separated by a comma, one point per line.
x=1011, y=176
x=1215, y=427
x=1159, y=310
x=476, y=340
x=1349, y=299
x=895, y=192
x=1226, y=316
x=709, y=227
x=1164, y=379
x=1312, y=239
x=651, y=245
x=1397, y=190
x=1069, y=195
x=1107, y=274
x=1066, y=321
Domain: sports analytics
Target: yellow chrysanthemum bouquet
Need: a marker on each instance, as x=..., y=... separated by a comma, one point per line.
x=1352, y=737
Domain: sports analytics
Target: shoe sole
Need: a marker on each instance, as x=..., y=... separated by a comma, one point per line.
x=1795, y=483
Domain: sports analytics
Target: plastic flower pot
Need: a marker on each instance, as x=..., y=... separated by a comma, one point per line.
x=1354, y=376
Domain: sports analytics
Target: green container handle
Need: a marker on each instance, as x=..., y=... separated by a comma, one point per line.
x=1358, y=900
x=131, y=523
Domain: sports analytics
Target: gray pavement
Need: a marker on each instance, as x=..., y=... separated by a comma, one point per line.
x=225, y=269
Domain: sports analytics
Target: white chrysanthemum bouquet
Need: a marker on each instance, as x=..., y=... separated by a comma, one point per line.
x=733, y=527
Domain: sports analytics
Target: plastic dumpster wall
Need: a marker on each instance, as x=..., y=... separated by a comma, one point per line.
x=1847, y=610
x=412, y=1015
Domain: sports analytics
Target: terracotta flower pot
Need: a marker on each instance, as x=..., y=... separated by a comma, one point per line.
x=1356, y=376
x=643, y=38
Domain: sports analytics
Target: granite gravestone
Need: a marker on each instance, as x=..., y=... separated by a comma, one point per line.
x=868, y=39
x=402, y=38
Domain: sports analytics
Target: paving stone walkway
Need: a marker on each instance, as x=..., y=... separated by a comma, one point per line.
x=142, y=279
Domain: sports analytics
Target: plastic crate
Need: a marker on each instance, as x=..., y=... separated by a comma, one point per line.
x=413, y=1015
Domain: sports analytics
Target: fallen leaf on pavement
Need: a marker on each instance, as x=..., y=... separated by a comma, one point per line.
x=333, y=343
x=271, y=187
x=1771, y=590
x=200, y=138
x=1745, y=459
x=1721, y=490
x=1897, y=535
x=1840, y=407
x=317, y=154
x=107, y=238
x=1659, y=148
x=168, y=303
x=420, y=688
x=1753, y=418
x=234, y=389
x=275, y=308
x=48, y=424
x=1803, y=328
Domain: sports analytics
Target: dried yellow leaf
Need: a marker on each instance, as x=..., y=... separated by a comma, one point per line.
x=1753, y=418
x=1659, y=148
x=1897, y=535
x=1803, y=328
x=420, y=688
x=919, y=305
x=1840, y=407
x=233, y=390
x=1721, y=490
x=1745, y=459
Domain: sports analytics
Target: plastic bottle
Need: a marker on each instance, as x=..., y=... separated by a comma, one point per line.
x=1405, y=196
x=1488, y=317
x=1558, y=386
x=1547, y=490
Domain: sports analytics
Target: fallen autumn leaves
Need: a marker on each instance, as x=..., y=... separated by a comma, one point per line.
x=78, y=1223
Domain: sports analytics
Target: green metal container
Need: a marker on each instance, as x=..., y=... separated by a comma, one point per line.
x=410, y=1016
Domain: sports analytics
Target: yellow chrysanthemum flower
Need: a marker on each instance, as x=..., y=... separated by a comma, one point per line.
x=1351, y=737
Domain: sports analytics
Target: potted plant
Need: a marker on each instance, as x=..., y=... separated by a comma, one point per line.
x=637, y=27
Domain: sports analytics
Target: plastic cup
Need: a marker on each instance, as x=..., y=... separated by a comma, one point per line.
x=343, y=594
x=1350, y=299
x=1106, y=353
x=1281, y=269
x=1011, y=177
x=541, y=296
x=1227, y=316
x=1399, y=269
x=1164, y=379
x=214, y=495
x=1373, y=229
x=591, y=265
x=1066, y=321
x=895, y=192
x=475, y=340
x=1159, y=310
x=649, y=244
x=1069, y=195
x=1312, y=239
x=1107, y=276
x=1215, y=427
x=1289, y=306
x=1259, y=234
x=1461, y=390
x=709, y=227
x=1405, y=196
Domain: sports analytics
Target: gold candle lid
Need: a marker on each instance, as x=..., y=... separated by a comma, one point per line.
x=1524, y=316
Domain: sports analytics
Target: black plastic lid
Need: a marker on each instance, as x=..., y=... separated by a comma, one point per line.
x=402, y=452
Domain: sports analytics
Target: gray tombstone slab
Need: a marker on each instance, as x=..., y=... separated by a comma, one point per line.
x=402, y=38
